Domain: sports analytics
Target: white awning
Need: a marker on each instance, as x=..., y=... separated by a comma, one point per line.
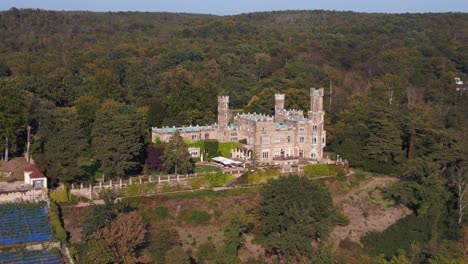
x=226, y=161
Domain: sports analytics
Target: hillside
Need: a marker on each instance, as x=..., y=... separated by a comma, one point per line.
x=92, y=84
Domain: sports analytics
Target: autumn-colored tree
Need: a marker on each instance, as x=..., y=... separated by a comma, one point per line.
x=124, y=235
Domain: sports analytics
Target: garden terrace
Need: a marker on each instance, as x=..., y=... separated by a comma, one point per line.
x=23, y=223
x=29, y=257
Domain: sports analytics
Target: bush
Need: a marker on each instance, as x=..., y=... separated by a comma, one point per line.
x=217, y=180
x=195, y=217
x=59, y=232
x=161, y=213
x=415, y=230
x=323, y=170
x=63, y=197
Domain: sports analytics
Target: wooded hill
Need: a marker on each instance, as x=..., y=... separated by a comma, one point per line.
x=91, y=85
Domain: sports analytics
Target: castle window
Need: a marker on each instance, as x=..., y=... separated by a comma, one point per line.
x=315, y=140
x=289, y=139
x=301, y=129
x=301, y=139
x=207, y=136
x=313, y=155
x=194, y=137
x=323, y=140
x=314, y=128
x=265, y=140
x=234, y=139
x=265, y=154
x=277, y=139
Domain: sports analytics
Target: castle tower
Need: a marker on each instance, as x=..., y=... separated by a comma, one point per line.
x=316, y=99
x=279, y=107
x=316, y=123
x=223, y=118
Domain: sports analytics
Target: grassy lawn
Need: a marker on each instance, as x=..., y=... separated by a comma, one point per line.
x=205, y=169
x=259, y=175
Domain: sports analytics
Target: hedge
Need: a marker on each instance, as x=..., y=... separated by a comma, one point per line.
x=59, y=232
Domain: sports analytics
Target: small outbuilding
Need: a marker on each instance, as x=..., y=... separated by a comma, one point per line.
x=35, y=178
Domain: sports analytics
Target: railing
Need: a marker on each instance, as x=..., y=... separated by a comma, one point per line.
x=157, y=179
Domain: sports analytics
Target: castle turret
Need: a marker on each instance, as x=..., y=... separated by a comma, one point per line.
x=279, y=107
x=316, y=123
x=316, y=99
x=223, y=118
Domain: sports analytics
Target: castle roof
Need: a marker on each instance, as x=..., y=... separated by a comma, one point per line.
x=282, y=125
x=255, y=117
x=184, y=129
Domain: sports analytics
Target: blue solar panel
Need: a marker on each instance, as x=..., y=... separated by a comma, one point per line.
x=29, y=257
x=22, y=224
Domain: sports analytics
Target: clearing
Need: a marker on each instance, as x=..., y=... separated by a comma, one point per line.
x=366, y=210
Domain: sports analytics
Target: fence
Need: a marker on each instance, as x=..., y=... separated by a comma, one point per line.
x=160, y=179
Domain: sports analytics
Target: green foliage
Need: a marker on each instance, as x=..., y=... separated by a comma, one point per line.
x=205, y=169
x=414, y=230
x=63, y=197
x=161, y=240
x=161, y=213
x=218, y=179
x=194, y=217
x=176, y=158
x=259, y=175
x=117, y=139
x=322, y=170
x=97, y=251
x=59, y=231
x=293, y=211
x=215, y=148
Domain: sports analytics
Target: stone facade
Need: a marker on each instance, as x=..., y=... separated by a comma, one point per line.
x=284, y=138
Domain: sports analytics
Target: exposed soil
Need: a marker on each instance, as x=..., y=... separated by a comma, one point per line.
x=367, y=211
x=73, y=221
x=16, y=167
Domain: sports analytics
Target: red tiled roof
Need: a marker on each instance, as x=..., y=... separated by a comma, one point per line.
x=35, y=172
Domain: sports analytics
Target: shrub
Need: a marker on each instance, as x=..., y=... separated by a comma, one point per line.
x=415, y=230
x=195, y=217
x=59, y=232
x=323, y=170
x=161, y=213
x=218, y=179
x=63, y=197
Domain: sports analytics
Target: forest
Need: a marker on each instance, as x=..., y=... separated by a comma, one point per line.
x=90, y=86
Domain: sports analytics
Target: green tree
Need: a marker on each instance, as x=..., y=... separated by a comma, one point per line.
x=176, y=158
x=97, y=251
x=117, y=139
x=293, y=211
x=63, y=148
x=384, y=146
x=14, y=111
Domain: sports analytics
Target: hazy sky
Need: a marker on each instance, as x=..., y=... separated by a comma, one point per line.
x=228, y=7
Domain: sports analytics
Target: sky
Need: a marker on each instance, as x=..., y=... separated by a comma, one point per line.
x=229, y=7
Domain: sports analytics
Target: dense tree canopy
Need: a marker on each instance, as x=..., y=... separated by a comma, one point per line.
x=294, y=211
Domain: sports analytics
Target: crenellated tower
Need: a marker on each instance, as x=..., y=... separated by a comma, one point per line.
x=223, y=118
x=316, y=123
x=279, y=107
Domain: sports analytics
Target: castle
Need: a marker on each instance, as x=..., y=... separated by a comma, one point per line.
x=285, y=138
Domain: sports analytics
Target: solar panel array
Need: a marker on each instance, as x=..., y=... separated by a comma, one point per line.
x=23, y=223
x=29, y=257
